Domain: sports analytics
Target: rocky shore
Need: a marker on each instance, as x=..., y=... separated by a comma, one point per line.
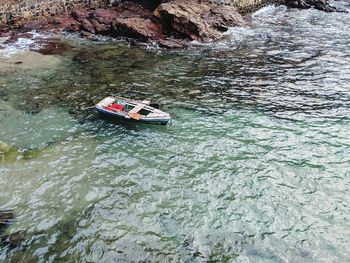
x=171, y=24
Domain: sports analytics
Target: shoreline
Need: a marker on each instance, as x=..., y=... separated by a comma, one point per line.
x=173, y=24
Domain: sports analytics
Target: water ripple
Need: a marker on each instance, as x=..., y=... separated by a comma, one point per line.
x=255, y=168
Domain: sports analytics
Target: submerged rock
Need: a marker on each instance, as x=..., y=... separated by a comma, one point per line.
x=7, y=153
x=15, y=239
x=29, y=61
x=50, y=46
x=6, y=217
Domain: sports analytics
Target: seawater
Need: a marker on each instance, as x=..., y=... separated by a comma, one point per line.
x=255, y=167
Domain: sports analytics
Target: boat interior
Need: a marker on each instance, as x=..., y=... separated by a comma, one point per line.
x=123, y=105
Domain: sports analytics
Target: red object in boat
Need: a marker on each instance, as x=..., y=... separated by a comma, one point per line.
x=116, y=107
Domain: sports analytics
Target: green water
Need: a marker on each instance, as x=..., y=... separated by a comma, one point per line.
x=255, y=167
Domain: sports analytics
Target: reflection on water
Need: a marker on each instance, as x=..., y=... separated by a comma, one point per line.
x=255, y=167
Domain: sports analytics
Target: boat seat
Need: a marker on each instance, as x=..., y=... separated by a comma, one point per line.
x=115, y=107
x=106, y=102
x=139, y=106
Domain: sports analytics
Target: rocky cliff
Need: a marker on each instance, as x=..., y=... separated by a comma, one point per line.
x=168, y=23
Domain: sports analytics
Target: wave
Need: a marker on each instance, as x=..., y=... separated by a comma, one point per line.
x=20, y=44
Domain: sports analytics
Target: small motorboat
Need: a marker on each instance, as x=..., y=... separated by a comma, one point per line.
x=132, y=110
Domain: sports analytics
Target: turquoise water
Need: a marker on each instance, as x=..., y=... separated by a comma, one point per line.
x=255, y=167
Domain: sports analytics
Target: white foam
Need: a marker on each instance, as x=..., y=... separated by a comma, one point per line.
x=269, y=11
x=20, y=45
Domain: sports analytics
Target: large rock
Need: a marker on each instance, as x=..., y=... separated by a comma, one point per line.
x=87, y=26
x=65, y=23
x=104, y=16
x=171, y=25
x=140, y=28
x=322, y=5
x=145, y=30
x=197, y=21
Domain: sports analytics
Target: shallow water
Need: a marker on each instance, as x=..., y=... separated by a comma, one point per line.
x=254, y=169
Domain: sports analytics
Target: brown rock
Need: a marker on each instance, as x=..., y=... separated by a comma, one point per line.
x=136, y=27
x=222, y=17
x=10, y=39
x=146, y=30
x=6, y=34
x=172, y=43
x=65, y=23
x=25, y=35
x=104, y=16
x=100, y=28
x=39, y=24
x=197, y=21
x=87, y=26
x=89, y=36
x=80, y=14
x=171, y=25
